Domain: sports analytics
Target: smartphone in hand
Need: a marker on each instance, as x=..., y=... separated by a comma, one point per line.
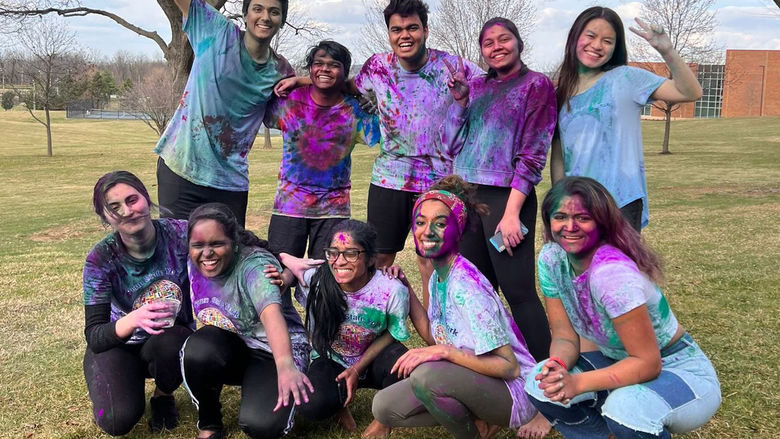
x=498, y=239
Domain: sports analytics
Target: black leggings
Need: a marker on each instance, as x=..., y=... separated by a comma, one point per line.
x=329, y=395
x=178, y=196
x=514, y=275
x=115, y=378
x=213, y=357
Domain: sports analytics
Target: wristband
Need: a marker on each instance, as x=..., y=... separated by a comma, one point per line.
x=559, y=361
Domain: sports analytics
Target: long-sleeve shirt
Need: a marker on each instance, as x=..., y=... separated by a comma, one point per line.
x=411, y=112
x=503, y=137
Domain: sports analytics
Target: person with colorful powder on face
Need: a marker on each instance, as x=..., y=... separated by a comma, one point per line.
x=410, y=86
x=251, y=334
x=476, y=361
x=499, y=128
x=600, y=100
x=127, y=278
x=356, y=317
x=204, y=149
x=600, y=280
x=320, y=126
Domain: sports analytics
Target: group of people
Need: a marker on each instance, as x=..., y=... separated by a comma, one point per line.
x=461, y=151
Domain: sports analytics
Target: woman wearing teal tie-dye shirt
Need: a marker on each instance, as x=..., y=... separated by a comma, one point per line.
x=600, y=281
x=204, y=149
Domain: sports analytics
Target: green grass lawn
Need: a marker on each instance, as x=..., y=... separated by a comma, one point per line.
x=708, y=204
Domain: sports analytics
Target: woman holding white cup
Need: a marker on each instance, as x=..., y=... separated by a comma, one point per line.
x=127, y=278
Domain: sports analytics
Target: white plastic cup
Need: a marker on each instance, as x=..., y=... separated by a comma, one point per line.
x=173, y=306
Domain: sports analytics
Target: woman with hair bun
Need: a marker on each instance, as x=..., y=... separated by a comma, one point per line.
x=474, y=365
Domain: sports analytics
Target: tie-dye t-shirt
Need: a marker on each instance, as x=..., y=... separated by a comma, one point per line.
x=381, y=305
x=412, y=109
x=466, y=312
x=209, y=136
x=234, y=301
x=610, y=287
x=502, y=138
x=314, y=175
x=112, y=276
x=601, y=136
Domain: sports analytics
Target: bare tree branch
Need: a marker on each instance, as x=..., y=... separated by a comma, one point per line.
x=689, y=25
x=80, y=12
x=455, y=25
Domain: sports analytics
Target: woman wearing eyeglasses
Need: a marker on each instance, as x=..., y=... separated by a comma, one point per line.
x=356, y=318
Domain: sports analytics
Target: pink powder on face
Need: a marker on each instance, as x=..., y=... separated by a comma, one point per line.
x=340, y=237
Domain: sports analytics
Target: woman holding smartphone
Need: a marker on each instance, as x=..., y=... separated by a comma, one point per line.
x=499, y=128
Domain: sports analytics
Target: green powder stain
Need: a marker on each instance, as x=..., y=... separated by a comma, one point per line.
x=428, y=77
x=374, y=315
x=663, y=308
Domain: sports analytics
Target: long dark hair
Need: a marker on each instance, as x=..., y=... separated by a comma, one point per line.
x=568, y=75
x=510, y=26
x=109, y=180
x=327, y=302
x=239, y=237
x=613, y=227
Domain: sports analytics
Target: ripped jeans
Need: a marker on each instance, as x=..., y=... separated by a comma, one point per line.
x=682, y=398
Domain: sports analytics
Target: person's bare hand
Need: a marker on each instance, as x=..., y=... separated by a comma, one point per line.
x=457, y=83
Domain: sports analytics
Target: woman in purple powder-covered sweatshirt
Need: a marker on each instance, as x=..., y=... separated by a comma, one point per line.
x=499, y=128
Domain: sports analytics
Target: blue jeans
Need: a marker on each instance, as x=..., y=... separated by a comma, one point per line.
x=682, y=398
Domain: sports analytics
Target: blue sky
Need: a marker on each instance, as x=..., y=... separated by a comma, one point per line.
x=742, y=24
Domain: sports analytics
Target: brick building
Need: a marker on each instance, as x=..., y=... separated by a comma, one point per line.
x=748, y=85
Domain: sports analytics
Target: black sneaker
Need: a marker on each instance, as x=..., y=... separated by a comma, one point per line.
x=164, y=413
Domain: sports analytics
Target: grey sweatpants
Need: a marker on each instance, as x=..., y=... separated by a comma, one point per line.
x=443, y=393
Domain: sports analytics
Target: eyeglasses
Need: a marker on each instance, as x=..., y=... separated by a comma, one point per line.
x=350, y=255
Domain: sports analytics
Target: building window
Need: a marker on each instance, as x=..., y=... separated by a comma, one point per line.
x=711, y=79
x=647, y=109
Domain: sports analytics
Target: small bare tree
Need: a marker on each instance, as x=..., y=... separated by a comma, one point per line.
x=155, y=98
x=48, y=46
x=373, y=32
x=458, y=22
x=689, y=24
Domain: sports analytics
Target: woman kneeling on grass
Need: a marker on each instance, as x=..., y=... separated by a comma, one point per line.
x=133, y=332
x=600, y=280
x=477, y=358
x=252, y=335
x=356, y=318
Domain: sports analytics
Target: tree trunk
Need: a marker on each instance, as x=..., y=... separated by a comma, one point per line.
x=667, y=128
x=267, y=135
x=49, y=151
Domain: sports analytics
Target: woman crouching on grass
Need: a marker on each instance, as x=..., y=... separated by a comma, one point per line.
x=477, y=358
x=600, y=280
x=131, y=334
x=356, y=318
x=252, y=335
